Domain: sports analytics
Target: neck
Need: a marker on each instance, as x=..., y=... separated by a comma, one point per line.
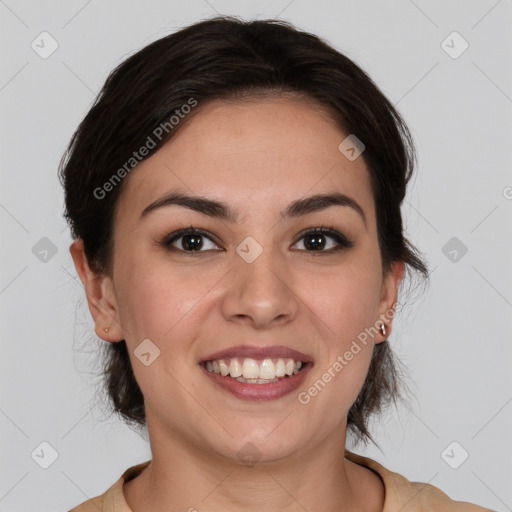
x=183, y=477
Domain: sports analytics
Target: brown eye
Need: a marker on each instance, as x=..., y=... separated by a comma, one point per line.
x=189, y=240
x=324, y=240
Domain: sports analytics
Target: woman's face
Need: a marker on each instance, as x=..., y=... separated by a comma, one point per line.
x=257, y=284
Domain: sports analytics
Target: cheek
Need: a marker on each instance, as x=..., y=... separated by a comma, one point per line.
x=345, y=301
x=168, y=309
x=154, y=300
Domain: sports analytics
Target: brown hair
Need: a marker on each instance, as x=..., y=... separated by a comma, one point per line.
x=228, y=58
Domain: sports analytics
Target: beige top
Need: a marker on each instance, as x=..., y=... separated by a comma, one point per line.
x=400, y=494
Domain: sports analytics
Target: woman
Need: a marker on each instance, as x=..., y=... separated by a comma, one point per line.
x=234, y=195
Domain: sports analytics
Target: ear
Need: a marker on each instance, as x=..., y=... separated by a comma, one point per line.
x=389, y=295
x=100, y=296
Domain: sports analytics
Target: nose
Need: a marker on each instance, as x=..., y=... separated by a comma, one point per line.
x=261, y=293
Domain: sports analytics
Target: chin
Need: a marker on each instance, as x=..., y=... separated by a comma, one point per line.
x=258, y=444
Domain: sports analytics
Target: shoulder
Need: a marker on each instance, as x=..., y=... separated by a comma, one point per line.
x=92, y=505
x=112, y=500
x=406, y=496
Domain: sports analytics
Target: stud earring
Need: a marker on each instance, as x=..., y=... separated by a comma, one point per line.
x=105, y=329
x=383, y=329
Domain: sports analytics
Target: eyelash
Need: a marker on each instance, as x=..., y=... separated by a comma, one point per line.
x=340, y=239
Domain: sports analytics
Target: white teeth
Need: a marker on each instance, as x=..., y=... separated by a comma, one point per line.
x=256, y=381
x=251, y=370
x=267, y=369
x=224, y=368
x=235, y=369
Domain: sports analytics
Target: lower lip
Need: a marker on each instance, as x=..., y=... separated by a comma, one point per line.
x=259, y=392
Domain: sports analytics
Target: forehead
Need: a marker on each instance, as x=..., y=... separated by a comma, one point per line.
x=250, y=153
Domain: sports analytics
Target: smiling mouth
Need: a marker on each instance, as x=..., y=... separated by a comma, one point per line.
x=254, y=371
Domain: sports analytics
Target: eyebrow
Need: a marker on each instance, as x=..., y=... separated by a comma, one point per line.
x=221, y=210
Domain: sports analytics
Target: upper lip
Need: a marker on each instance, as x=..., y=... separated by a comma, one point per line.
x=258, y=352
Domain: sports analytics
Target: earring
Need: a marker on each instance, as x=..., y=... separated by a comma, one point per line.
x=383, y=329
x=105, y=329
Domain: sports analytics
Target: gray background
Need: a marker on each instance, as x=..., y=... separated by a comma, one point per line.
x=454, y=339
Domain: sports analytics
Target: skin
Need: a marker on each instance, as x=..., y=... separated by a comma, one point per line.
x=257, y=156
